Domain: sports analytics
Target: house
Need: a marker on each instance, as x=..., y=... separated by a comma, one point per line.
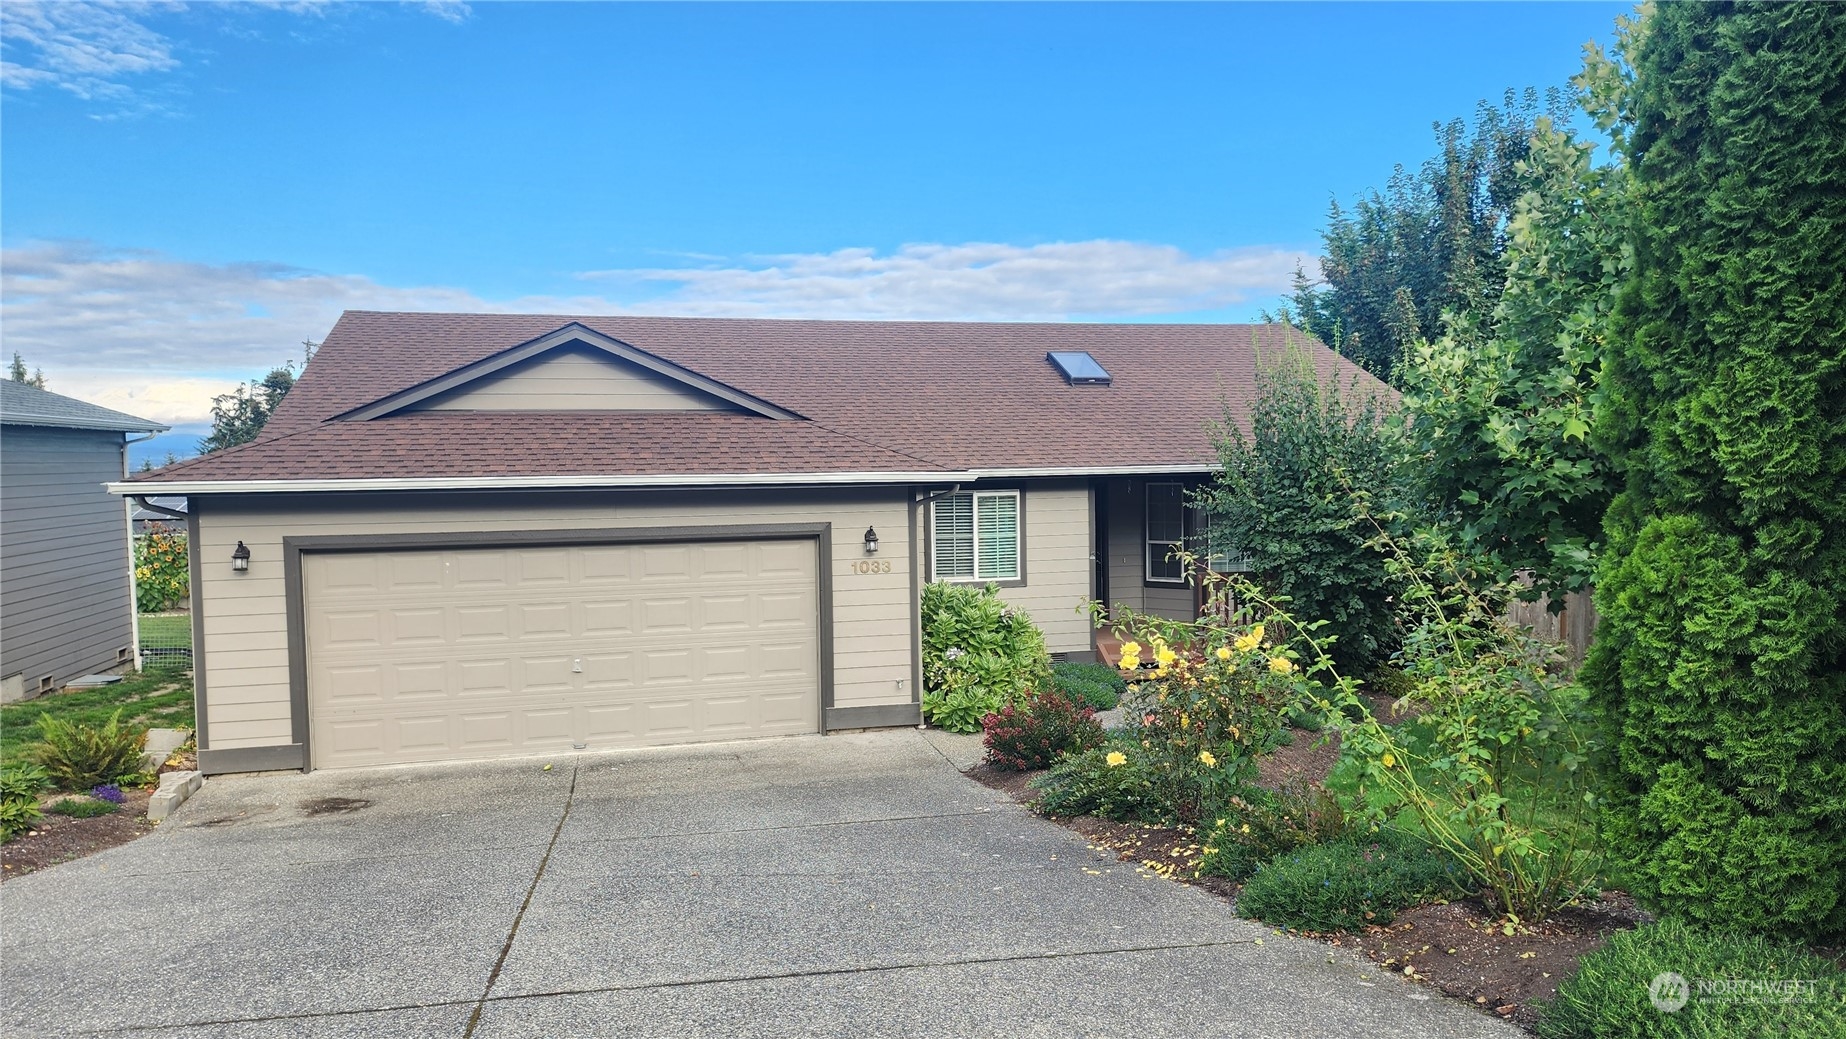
x=477, y=535
x=67, y=600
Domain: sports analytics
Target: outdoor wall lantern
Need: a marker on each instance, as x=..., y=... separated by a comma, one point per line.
x=871, y=542
x=240, y=558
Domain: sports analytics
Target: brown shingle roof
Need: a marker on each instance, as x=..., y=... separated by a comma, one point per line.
x=878, y=396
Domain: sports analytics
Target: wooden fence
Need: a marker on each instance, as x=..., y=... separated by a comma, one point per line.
x=1570, y=628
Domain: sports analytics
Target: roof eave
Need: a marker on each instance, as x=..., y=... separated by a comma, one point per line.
x=95, y=427
x=149, y=488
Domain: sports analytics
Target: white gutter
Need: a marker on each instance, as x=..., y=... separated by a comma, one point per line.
x=151, y=488
x=162, y=488
x=1095, y=470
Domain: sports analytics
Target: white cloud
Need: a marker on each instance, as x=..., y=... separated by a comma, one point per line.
x=158, y=336
x=1056, y=281
x=85, y=48
x=101, y=52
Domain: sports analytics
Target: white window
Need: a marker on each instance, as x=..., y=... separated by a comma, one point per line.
x=1166, y=532
x=1222, y=558
x=974, y=536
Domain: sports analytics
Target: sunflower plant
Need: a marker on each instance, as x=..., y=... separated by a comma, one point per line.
x=162, y=577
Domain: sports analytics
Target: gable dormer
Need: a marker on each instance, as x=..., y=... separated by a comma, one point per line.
x=575, y=377
x=572, y=369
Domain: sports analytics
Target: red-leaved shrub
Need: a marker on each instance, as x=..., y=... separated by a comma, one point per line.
x=1036, y=731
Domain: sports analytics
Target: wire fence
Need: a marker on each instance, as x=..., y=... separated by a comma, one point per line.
x=166, y=641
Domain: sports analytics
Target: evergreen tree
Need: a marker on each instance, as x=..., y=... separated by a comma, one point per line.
x=1433, y=241
x=17, y=372
x=1719, y=670
x=239, y=416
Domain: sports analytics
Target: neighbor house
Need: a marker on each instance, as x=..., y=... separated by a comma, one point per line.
x=67, y=601
x=475, y=535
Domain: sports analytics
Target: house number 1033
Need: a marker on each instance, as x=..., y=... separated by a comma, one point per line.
x=870, y=566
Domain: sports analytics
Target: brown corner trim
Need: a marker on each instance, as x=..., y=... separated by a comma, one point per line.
x=253, y=759
x=883, y=716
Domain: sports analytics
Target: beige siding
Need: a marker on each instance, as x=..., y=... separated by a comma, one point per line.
x=244, y=616
x=578, y=379
x=1057, y=553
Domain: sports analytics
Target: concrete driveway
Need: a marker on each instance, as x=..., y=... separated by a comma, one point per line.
x=852, y=885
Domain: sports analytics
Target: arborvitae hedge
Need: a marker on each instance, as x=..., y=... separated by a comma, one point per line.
x=1720, y=667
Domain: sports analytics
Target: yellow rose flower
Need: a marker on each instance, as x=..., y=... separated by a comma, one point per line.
x=1246, y=643
x=1208, y=758
x=1165, y=657
x=1281, y=665
x=1224, y=652
x=1389, y=759
x=1115, y=758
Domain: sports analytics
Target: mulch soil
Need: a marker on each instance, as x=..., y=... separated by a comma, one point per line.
x=1463, y=949
x=60, y=838
x=1459, y=948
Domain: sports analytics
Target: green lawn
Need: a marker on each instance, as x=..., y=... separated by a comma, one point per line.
x=166, y=629
x=147, y=700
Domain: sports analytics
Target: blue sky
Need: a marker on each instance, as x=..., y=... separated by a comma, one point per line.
x=191, y=190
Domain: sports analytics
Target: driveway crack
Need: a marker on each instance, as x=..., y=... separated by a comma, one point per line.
x=512, y=932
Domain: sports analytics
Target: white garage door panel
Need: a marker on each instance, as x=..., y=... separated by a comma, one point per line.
x=439, y=654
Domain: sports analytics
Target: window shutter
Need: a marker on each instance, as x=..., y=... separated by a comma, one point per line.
x=952, y=531
x=999, y=536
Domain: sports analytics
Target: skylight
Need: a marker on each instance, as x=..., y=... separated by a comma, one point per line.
x=1078, y=368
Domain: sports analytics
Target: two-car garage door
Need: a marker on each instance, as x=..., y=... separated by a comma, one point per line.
x=435, y=654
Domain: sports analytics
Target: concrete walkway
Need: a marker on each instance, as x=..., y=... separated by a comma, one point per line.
x=853, y=886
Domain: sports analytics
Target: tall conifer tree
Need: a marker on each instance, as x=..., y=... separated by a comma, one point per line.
x=1719, y=671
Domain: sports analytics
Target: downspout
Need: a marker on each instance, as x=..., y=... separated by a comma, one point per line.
x=916, y=595
x=151, y=507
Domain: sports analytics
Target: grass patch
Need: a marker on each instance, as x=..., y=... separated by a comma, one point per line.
x=166, y=629
x=146, y=701
x=81, y=807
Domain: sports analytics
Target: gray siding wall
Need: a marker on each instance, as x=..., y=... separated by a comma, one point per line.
x=1127, y=539
x=65, y=604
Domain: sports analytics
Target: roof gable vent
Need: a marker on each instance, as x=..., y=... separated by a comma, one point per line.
x=1078, y=368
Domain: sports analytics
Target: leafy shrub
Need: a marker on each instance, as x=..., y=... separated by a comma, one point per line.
x=1097, y=685
x=1104, y=781
x=1494, y=765
x=1214, y=699
x=78, y=757
x=1038, y=730
x=978, y=655
x=1292, y=496
x=1257, y=826
x=19, y=790
x=81, y=807
x=1609, y=996
x=1349, y=883
x=162, y=574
